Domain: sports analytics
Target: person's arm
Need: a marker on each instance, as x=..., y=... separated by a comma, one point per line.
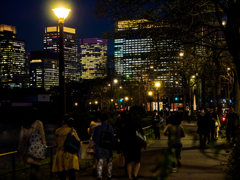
x=41, y=132
x=55, y=139
x=165, y=131
x=20, y=141
x=76, y=135
x=182, y=132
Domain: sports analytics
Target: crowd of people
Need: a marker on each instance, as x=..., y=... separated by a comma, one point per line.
x=103, y=140
x=209, y=125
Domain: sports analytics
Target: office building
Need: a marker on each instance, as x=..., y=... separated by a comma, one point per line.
x=12, y=57
x=51, y=43
x=93, y=55
x=44, y=69
x=132, y=50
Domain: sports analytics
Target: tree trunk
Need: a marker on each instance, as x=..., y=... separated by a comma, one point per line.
x=219, y=104
x=237, y=92
x=184, y=92
x=204, y=105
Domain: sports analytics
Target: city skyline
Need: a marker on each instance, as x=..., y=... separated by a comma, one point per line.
x=30, y=19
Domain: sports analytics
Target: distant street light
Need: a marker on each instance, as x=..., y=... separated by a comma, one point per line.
x=62, y=14
x=157, y=85
x=120, y=87
x=181, y=54
x=115, y=81
x=150, y=94
x=126, y=98
x=111, y=100
x=75, y=104
x=96, y=102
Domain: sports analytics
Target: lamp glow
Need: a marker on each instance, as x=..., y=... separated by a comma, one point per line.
x=181, y=54
x=157, y=84
x=150, y=93
x=61, y=13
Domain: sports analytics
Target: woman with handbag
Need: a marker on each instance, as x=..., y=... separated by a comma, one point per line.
x=91, y=147
x=65, y=161
x=130, y=147
x=217, y=126
x=32, y=135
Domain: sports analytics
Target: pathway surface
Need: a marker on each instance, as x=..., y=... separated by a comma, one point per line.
x=197, y=164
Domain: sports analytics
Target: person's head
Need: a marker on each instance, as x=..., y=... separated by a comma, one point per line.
x=32, y=116
x=211, y=109
x=97, y=117
x=202, y=110
x=104, y=117
x=155, y=112
x=176, y=120
x=67, y=119
x=231, y=107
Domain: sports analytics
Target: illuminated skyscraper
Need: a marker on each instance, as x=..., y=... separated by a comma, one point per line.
x=51, y=43
x=93, y=55
x=12, y=58
x=131, y=52
x=44, y=69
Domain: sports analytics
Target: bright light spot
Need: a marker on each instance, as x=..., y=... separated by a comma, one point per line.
x=61, y=12
x=96, y=102
x=181, y=54
x=115, y=81
x=157, y=84
x=75, y=104
x=150, y=93
x=224, y=23
x=126, y=98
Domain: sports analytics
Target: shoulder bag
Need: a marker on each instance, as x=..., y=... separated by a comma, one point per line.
x=141, y=139
x=36, y=148
x=71, y=144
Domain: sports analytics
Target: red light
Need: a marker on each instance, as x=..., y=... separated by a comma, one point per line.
x=121, y=109
x=223, y=118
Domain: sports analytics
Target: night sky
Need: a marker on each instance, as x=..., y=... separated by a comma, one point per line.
x=32, y=16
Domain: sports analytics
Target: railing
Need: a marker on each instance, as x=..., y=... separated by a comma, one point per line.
x=148, y=132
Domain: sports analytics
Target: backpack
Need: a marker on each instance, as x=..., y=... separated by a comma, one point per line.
x=71, y=144
x=106, y=139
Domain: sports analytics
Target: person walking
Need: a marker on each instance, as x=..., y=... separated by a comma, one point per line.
x=65, y=162
x=175, y=132
x=31, y=125
x=130, y=148
x=217, y=126
x=103, y=131
x=202, y=128
x=231, y=124
x=156, y=124
x=189, y=116
x=210, y=117
x=91, y=148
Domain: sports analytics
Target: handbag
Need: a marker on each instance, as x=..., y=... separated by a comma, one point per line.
x=141, y=139
x=36, y=148
x=84, y=153
x=71, y=144
x=121, y=161
x=216, y=124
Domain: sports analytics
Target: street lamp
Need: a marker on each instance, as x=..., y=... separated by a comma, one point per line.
x=126, y=99
x=61, y=13
x=150, y=94
x=181, y=54
x=157, y=86
x=115, y=81
x=96, y=102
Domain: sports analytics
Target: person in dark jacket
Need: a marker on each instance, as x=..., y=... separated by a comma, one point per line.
x=130, y=148
x=232, y=121
x=103, y=153
x=202, y=128
x=210, y=117
x=156, y=124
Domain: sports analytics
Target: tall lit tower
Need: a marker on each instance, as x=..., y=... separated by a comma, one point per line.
x=93, y=56
x=12, y=58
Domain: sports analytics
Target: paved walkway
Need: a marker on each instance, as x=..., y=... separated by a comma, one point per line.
x=196, y=164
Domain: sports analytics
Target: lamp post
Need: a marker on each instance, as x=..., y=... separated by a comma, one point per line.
x=150, y=94
x=61, y=13
x=157, y=85
x=126, y=99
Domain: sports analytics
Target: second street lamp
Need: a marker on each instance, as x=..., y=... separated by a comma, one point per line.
x=157, y=86
x=61, y=13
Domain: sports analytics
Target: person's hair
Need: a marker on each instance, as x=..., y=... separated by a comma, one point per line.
x=31, y=117
x=104, y=117
x=202, y=108
x=176, y=120
x=231, y=106
x=68, y=120
x=97, y=116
